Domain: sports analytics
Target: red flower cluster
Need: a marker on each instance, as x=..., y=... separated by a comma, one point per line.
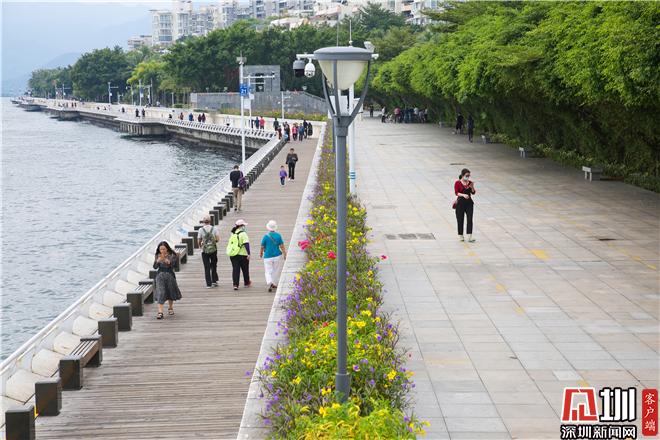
x=331, y=255
x=303, y=244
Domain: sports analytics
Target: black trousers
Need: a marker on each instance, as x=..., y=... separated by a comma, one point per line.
x=210, y=267
x=464, y=208
x=240, y=263
x=292, y=171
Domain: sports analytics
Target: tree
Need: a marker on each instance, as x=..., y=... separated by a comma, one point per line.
x=95, y=69
x=43, y=82
x=374, y=17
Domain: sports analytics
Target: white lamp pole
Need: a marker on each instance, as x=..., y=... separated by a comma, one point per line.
x=351, y=143
x=241, y=60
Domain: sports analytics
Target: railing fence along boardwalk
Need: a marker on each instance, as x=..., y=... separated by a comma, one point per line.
x=53, y=358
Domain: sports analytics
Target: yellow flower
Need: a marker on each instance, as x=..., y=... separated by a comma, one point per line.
x=273, y=374
x=360, y=324
x=296, y=381
x=304, y=409
x=391, y=375
x=336, y=405
x=325, y=391
x=323, y=411
x=377, y=319
x=310, y=221
x=365, y=312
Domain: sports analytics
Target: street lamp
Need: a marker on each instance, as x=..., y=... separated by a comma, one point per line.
x=342, y=66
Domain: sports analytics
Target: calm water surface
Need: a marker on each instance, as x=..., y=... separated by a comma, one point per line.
x=77, y=200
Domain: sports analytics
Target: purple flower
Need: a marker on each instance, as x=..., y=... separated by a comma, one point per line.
x=356, y=368
x=248, y=373
x=372, y=382
x=332, y=335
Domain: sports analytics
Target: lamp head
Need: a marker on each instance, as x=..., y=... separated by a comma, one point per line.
x=350, y=60
x=299, y=68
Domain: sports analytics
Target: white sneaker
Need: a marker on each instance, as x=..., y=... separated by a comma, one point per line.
x=461, y=238
x=208, y=287
x=470, y=239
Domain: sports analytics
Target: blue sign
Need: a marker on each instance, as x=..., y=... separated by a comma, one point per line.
x=244, y=90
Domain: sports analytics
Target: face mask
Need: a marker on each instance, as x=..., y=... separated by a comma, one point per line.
x=466, y=178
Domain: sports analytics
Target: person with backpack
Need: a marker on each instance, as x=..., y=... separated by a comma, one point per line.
x=167, y=289
x=235, y=177
x=291, y=160
x=272, y=250
x=208, y=237
x=238, y=250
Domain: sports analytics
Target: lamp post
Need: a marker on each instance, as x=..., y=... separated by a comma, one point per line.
x=243, y=90
x=110, y=92
x=342, y=66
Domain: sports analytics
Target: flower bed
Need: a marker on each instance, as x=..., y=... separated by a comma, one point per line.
x=298, y=379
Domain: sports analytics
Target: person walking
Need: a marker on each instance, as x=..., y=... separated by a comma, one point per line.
x=137, y=113
x=143, y=113
x=272, y=251
x=238, y=250
x=282, y=175
x=464, y=205
x=291, y=160
x=235, y=176
x=459, y=123
x=167, y=289
x=470, y=127
x=262, y=123
x=276, y=126
x=287, y=132
x=305, y=128
x=207, y=238
x=294, y=131
x=371, y=111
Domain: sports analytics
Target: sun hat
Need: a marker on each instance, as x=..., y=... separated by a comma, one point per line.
x=206, y=219
x=241, y=222
x=271, y=225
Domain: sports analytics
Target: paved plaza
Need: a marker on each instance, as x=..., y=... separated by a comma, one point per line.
x=560, y=289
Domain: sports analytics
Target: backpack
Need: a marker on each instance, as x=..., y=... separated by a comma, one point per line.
x=242, y=182
x=234, y=246
x=209, y=242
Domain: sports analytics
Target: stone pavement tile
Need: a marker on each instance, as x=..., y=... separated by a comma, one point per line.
x=458, y=397
x=539, y=410
x=464, y=411
x=506, y=380
x=471, y=435
x=474, y=424
x=532, y=428
x=436, y=429
x=531, y=396
x=458, y=386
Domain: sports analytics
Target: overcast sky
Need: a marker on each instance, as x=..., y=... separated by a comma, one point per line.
x=34, y=33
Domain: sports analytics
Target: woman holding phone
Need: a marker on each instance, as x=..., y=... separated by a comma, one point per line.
x=167, y=288
x=464, y=205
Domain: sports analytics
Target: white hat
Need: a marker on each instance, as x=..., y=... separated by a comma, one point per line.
x=206, y=219
x=271, y=225
x=241, y=222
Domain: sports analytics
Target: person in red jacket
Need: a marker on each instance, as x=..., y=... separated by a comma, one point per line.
x=464, y=205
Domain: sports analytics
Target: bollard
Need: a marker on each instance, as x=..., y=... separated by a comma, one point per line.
x=135, y=300
x=188, y=242
x=214, y=217
x=109, y=331
x=123, y=314
x=193, y=234
x=19, y=423
x=71, y=373
x=230, y=197
x=219, y=211
x=48, y=396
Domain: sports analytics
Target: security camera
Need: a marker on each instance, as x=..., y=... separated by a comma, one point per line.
x=299, y=68
x=310, y=70
x=369, y=46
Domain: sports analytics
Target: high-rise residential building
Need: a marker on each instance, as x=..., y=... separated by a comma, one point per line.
x=137, y=42
x=162, y=32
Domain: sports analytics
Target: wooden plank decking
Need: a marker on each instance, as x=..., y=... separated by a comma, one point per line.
x=184, y=377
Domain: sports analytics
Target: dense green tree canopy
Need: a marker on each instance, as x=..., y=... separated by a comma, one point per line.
x=576, y=76
x=95, y=69
x=43, y=82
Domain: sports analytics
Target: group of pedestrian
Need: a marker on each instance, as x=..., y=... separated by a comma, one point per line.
x=296, y=131
x=404, y=115
x=258, y=123
x=201, y=117
x=460, y=122
x=138, y=113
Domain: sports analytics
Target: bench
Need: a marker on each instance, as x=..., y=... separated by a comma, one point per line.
x=143, y=293
x=88, y=353
x=592, y=173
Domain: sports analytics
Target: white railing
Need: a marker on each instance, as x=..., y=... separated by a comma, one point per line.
x=217, y=128
x=39, y=356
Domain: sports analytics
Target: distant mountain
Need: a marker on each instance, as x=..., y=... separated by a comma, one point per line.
x=18, y=84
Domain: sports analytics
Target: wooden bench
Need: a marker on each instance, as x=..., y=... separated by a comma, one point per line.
x=143, y=293
x=592, y=173
x=88, y=353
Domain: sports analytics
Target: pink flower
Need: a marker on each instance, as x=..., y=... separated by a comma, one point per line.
x=331, y=255
x=303, y=244
x=383, y=257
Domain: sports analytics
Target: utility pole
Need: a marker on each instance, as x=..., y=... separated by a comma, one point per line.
x=241, y=60
x=140, y=91
x=110, y=92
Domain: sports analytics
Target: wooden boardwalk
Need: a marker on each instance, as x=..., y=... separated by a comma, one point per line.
x=185, y=376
